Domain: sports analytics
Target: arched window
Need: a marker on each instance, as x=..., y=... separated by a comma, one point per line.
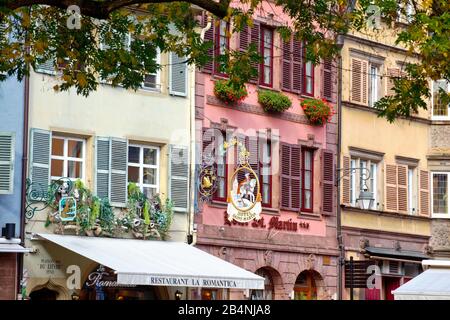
x=305, y=286
x=268, y=292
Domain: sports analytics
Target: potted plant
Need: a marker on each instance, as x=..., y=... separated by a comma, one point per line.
x=318, y=111
x=226, y=92
x=272, y=101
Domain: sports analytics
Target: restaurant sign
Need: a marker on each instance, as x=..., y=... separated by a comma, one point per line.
x=193, y=282
x=103, y=277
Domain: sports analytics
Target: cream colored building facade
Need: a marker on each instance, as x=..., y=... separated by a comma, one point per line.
x=150, y=123
x=387, y=159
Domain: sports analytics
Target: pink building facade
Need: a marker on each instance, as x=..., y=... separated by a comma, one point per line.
x=294, y=245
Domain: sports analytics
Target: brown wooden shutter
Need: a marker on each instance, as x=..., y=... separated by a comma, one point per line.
x=356, y=88
x=255, y=33
x=209, y=36
x=286, y=83
x=295, y=177
x=402, y=188
x=393, y=73
x=365, y=80
x=297, y=66
x=390, y=187
x=244, y=38
x=359, y=86
x=327, y=81
x=345, y=180
x=328, y=182
x=424, y=193
x=285, y=183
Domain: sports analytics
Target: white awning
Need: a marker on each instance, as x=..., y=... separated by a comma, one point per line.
x=161, y=263
x=432, y=284
x=12, y=248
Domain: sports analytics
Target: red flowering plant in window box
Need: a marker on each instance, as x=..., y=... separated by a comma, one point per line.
x=225, y=91
x=318, y=111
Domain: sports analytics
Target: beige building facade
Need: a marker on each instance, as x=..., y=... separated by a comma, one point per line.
x=107, y=140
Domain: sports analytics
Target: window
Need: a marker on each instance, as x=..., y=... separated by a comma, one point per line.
x=364, y=172
x=307, y=179
x=373, y=85
x=440, y=109
x=440, y=192
x=222, y=44
x=152, y=80
x=68, y=158
x=412, y=190
x=221, y=171
x=405, y=13
x=265, y=170
x=267, y=55
x=143, y=168
x=308, y=78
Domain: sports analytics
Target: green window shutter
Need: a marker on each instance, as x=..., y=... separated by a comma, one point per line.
x=179, y=177
x=177, y=75
x=118, y=176
x=7, y=140
x=41, y=142
x=103, y=167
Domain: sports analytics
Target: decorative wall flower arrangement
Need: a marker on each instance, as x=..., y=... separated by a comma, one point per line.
x=76, y=209
x=318, y=111
x=226, y=92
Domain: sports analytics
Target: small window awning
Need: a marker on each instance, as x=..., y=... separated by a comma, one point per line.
x=432, y=284
x=392, y=253
x=12, y=248
x=160, y=263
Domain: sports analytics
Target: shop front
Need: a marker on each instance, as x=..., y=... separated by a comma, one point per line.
x=97, y=268
x=394, y=261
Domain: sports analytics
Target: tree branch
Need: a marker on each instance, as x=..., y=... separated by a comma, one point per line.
x=102, y=9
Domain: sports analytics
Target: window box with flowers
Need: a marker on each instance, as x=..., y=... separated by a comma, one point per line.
x=229, y=94
x=272, y=101
x=318, y=111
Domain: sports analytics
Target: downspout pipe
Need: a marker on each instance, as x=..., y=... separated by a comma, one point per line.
x=26, y=105
x=340, y=42
x=193, y=149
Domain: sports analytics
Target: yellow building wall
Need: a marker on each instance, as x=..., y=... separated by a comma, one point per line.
x=362, y=128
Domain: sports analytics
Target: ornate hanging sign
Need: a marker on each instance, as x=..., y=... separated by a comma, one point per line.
x=207, y=184
x=67, y=209
x=244, y=196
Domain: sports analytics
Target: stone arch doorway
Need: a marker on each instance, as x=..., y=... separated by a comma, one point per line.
x=272, y=284
x=43, y=294
x=308, y=285
x=49, y=291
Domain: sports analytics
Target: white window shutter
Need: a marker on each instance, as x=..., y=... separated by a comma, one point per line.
x=103, y=167
x=179, y=177
x=177, y=75
x=41, y=142
x=7, y=150
x=118, y=176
